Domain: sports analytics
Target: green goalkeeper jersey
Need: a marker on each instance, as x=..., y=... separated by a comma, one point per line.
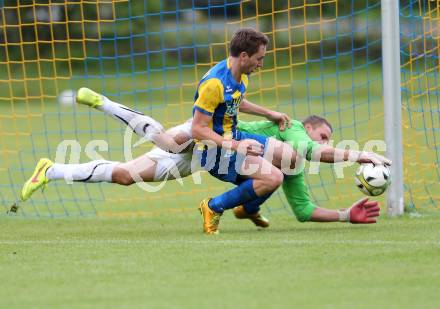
x=294, y=187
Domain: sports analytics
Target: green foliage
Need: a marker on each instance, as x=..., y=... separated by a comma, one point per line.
x=48, y=30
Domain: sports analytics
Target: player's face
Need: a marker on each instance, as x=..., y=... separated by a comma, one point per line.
x=254, y=62
x=320, y=134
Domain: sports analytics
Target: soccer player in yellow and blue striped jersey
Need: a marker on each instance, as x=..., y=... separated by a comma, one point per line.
x=219, y=97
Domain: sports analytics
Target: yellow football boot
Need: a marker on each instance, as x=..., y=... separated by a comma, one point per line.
x=37, y=180
x=89, y=97
x=258, y=219
x=211, y=219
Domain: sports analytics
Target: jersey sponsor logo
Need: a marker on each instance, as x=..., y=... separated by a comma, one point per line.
x=233, y=103
x=228, y=89
x=232, y=106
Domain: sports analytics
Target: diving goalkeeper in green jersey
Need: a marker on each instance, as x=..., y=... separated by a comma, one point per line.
x=172, y=156
x=309, y=138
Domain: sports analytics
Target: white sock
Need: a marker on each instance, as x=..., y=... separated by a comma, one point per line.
x=141, y=124
x=94, y=171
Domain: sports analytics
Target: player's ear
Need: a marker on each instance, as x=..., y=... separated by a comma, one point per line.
x=308, y=126
x=243, y=55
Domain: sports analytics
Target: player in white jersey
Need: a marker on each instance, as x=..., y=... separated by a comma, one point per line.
x=155, y=165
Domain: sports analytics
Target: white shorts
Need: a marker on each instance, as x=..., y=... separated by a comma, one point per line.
x=170, y=165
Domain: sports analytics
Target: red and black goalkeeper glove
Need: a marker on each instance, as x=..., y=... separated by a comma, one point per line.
x=363, y=212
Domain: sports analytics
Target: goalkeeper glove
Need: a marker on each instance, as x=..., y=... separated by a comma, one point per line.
x=363, y=211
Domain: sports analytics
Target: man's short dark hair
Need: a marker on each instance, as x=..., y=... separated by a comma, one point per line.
x=247, y=40
x=315, y=121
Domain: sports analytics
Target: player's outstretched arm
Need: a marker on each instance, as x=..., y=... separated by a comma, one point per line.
x=298, y=197
x=361, y=212
x=279, y=118
x=330, y=154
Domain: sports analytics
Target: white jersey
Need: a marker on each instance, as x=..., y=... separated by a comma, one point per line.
x=172, y=165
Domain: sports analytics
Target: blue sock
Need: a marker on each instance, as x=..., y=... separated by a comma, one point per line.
x=241, y=194
x=253, y=206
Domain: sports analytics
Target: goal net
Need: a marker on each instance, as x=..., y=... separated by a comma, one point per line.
x=324, y=58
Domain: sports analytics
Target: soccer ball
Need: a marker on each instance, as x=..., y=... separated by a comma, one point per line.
x=67, y=98
x=372, y=179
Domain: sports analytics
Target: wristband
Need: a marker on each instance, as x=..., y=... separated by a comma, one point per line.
x=344, y=215
x=354, y=155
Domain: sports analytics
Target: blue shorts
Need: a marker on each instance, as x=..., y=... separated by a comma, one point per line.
x=225, y=164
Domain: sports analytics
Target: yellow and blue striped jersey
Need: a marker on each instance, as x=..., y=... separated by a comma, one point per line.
x=219, y=95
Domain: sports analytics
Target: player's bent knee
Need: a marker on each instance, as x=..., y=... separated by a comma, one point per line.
x=274, y=180
x=122, y=177
x=279, y=178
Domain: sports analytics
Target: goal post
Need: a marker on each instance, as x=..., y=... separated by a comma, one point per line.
x=392, y=102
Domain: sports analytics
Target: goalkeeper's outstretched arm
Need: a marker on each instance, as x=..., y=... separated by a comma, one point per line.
x=298, y=197
x=330, y=154
x=362, y=211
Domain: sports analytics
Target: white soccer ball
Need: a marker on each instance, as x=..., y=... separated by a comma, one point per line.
x=67, y=98
x=372, y=179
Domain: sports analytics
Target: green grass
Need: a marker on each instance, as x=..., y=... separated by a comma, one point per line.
x=166, y=262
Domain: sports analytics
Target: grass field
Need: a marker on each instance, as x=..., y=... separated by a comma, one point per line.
x=166, y=262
